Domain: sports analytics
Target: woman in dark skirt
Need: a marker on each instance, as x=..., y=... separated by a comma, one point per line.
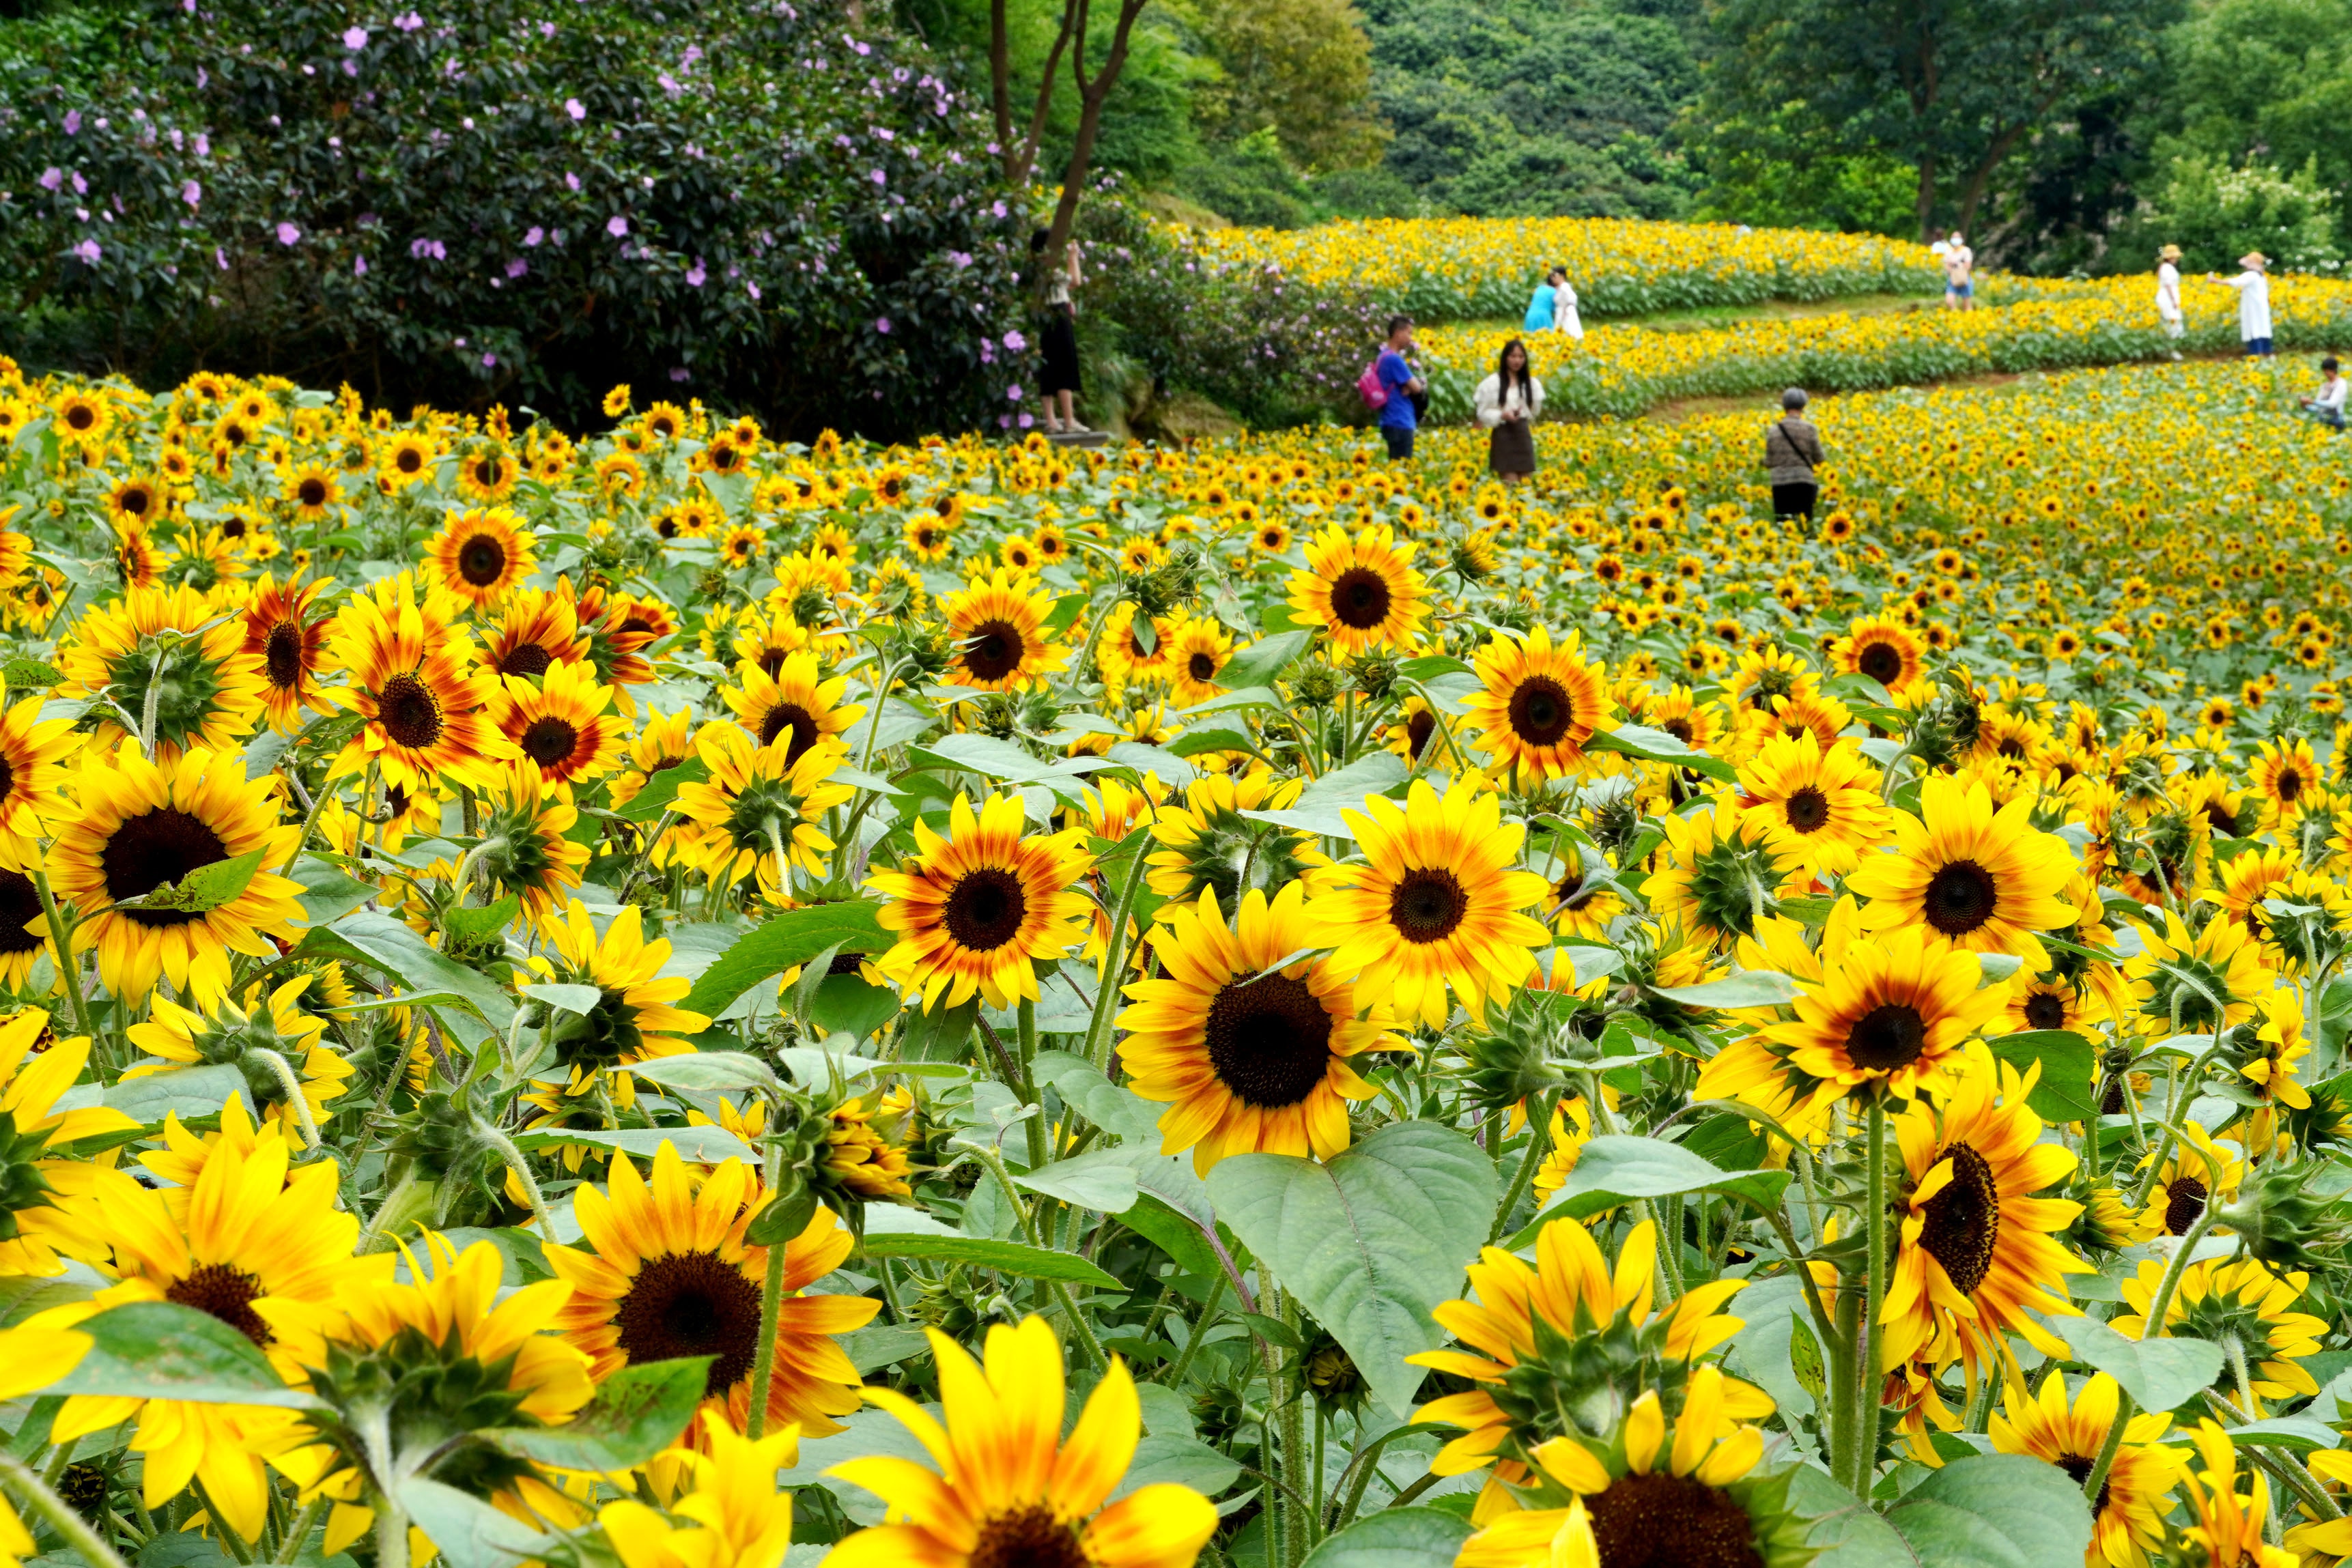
x=1507, y=402
x=1059, y=336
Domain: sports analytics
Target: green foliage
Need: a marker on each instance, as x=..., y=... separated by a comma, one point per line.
x=1301, y=69
x=1771, y=170
x=1251, y=182
x=2216, y=214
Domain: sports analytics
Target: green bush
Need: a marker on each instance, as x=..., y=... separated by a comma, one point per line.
x=2216, y=214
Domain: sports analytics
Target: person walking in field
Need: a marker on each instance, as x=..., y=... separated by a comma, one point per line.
x=1793, y=457
x=1959, y=275
x=1508, y=403
x=1399, y=417
x=2254, y=287
x=2168, y=294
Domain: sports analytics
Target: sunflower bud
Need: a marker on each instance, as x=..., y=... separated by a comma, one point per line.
x=1317, y=686
x=1512, y=1058
x=1173, y=584
x=2275, y=1219
x=1327, y=1369
x=959, y=1306
x=1375, y=674
x=925, y=648
x=812, y=606
x=997, y=715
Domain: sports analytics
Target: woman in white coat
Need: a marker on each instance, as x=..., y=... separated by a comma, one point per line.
x=1508, y=403
x=1564, y=316
x=2168, y=294
x=2254, y=287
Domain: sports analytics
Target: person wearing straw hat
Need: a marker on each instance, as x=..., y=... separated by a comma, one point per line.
x=2168, y=294
x=2254, y=287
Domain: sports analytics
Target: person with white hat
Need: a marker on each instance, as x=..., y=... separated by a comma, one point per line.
x=2168, y=294
x=2254, y=287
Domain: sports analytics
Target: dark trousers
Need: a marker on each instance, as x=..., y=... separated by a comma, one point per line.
x=1400, y=440
x=2258, y=346
x=1794, y=500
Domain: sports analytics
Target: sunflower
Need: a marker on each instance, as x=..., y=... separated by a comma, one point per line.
x=1824, y=799
x=1982, y=880
x=1976, y=1255
x=312, y=491
x=2134, y=1497
x=1521, y=1334
x=529, y=852
x=931, y=539
x=1208, y=843
x=975, y=909
x=48, y=1204
x=1572, y=1128
x=408, y=459
x=1722, y=871
x=137, y=564
x=143, y=825
x=756, y=809
x=170, y=647
x=83, y=416
x=425, y=710
x=1119, y=652
x=633, y=1019
x=793, y=704
x=665, y=1273
x=1537, y=703
x=736, y=1516
x=1890, y=1011
x=281, y=634
x=135, y=503
x=2179, y=979
x=488, y=477
x=535, y=631
x=663, y=742
x=229, y=1035
x=1416, y=727
x=1250, y=1057
x=250, y=1230
x=477, y=556
x=560, y=723
x=32, y=753
x=2245, y=1306
x=2284, y=774
x=2201, y=1169
x=1198, y=652
x=997, y=629
x=1362, y=592
x=1009, y=1488
x=2231, y=1528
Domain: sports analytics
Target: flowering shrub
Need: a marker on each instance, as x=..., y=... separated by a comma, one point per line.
x=518, y=200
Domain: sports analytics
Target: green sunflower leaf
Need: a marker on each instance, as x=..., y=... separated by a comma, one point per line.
x=895, y=1232
x=1658, y=746
x=205, y=888
x=1613, y=1169
x=2068, y=1090
x=469, y=1532
x=2158, y=1373
x=639, y=1411
x=1995, y=1510
x=163, y=1350
x=661, y=790
x=793, y=937
x=1394, y=1538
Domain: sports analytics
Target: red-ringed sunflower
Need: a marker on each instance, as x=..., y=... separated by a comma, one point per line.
x=141, y=825
x=1824, y=800
x=426, y=708
x=734, y=1514
x=535, y=631
x=1721, y=871
x=313, y=491
x=794, y=704
x=1362, y=592
x=665, y=1272
x=250, y=1231
x=138, y=561
x=456, y=1350
x=488, y=475
x=1196, y=654
x=1206, y=843
x=2285, y=773
x=1249, y=1058
x=1438, y=901
x=1690, y=1492
x=560, y=723
x=1892, y=1010
x=633, y=1019
x=174, y=648
x=283, y=636
x=1518, y=1342
x=2127, y=1517
x=756, y=815
x=1979, y=880
x=977, y=909
x=1005, y=1486
x=1977, y=1255
x=2245, y=1306
x=2177, y=978
x=1537, y=703
x=48, y=1202
x=1119, y=652
x=480, y=555
x=33, y=773
x=997, y=630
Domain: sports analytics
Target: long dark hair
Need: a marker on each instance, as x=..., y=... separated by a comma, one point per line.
x=1503, y=374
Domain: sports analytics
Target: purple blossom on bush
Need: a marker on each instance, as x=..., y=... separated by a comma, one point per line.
x=356, y=38
x=359, y=267
x=87, y=253
x=488, y=361
x=534, y=236
x=51, y=178
x=1013, y=392
x=73, y=123
x=427, y=249
x=192, y=193
x=618, y=226
x=1015, y=341
x=288, y=233
x=517, y=266
x=882, y=325
x=409, y=23
x=695, y=274
x=575, y=109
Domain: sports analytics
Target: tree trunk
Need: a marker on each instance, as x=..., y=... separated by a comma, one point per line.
x=1000, y=82
x=1972, y=195
x=1926, y=203
x=1092, y=92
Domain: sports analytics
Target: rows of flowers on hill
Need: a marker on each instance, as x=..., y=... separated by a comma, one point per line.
x=647, y=997
x=1456, y=269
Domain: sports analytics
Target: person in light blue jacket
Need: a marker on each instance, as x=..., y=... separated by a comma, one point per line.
x=1540, y=309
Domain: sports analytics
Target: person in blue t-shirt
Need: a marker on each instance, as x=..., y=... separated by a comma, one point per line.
x=1547, y=295
x=1398, y=416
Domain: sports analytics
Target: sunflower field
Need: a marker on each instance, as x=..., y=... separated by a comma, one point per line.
x=666, y=999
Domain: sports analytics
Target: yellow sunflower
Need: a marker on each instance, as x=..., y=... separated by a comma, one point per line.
x=794, y=703
x=535, y=629
x=172, y=647
x=425, y=708
x=1825, y=802
x=2178, y=979
x=560, y=723
x=477, y=556
x=757, y=811
x=976, y=910
x=1196, y=655
x=736, y=1516
x=2128, y=1515
x=234, y=1036
x=997, y=630
x=59, y=1215
x=2242, y=1304
x=1979, y=880
x=1362, y=592
x=1893, y=1011
x=633, y=1019
x=1537, y=703
x=1884, y=650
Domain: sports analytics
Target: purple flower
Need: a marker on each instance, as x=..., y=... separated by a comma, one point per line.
x=488, y=359
x=1024, y=422
x=575, y=109
x=73, y=123
x=408, y=24
x=192, y=193
x=203, y=143
x=356, y=38
x=427, y=249
x=571, y=182
x=879, y=178
x=752, y=289
x=680, y=374
x=670, y=84
x=359, y=267
x=882, y=325
x=998, y=209
x=288, y=233
x=517, y=268
x=535, y=234
x=618, y=226
x=1015, y=342
x=960, y=257
x=80, y=185
x=86, y=252
x=51, y=178
x=694, y=275
x=351, y=67
x=1013, y=392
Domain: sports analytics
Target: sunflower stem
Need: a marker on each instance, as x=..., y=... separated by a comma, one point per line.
x=61, y=939
x=1842, y=1350
x=1098, y=1032
x=505, y=1147
x=154, y=692
x=1175, y=1378
x=22, y=1480
x=297, y=1533
x=1866, y=1369
x=1296, y=1452
x=2151, y=1327
x=1025, y=1042
x=637, y=867
x=284, y=1072
x=309, y=819
x=1539, y=1117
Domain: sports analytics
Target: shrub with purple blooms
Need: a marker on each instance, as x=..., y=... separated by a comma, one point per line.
x=518, y=201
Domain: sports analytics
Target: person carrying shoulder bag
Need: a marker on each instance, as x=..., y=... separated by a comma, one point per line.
x=1793, y=457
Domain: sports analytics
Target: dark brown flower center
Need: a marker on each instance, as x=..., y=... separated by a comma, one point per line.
x=692, y=1304
x=2290, y=783
x=311, y=491
x=135, y=500
x=1200, y=667
x=1028, y=1537
x=1663, y=1521
x=2078, y=1469
x=1881, y=661
x=2184, y=1204
x=1542, y=711
x=550, y=740
x=2045, y=1009
x=1418, y=727
x=159, y=846
x=1887, y=1038
x=1808, y=811
x=408, y=460
x=487, y=471
x=1961, y=897
x=80, y=416
x=993, y=650
x=1428, y=904
x=282, y=655
x=410, y=713
x=481, y=559
x=1963, y=1222
x=1269, y=1039
x=526, y=659
x=789, y=719
x=20, y=906
x=985, y=908
x=227, y=1292
x=1360, y=598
